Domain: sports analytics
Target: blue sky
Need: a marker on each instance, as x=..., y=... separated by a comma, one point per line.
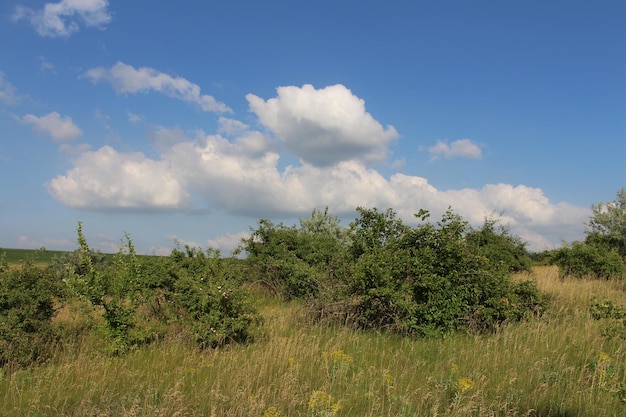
x=190, y=121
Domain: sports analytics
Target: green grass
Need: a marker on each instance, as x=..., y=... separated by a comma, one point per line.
x=559, y=365
x=19, y=256
x=41, y=257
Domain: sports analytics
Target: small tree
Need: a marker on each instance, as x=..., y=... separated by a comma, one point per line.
x=607, y=225
x=603, y=251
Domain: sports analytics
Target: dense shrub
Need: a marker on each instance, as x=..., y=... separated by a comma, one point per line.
x=430, y=279
x=210, y=297
x=583, y=259
x=500, y=247
x=297, y=262
x=140, y=296
x=602, y=254
x=382, y=273
x=27, y=306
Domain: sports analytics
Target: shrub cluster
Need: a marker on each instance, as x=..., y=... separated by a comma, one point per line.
x=131, y=300
x=602, y=254
x=587, y=259
x=383, y=274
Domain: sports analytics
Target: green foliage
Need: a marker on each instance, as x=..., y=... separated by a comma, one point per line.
x=607, y=225
x=497, y=244
x=607, y=310
x=4, y=265
x=27, y=306
x=584, y=259
x=613, y=315
x=297, y=262
x=112, y=288
x=60, y=265
x=383, y=274
x=211, y=298
x=139, y=296
x=430, y=279
x=603, y=252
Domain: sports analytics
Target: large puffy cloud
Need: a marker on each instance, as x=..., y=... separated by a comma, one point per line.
x=325, y=126
x=108, y=180
x=62, y=19
x=241, y=173
x=61, y=129
x=127, y=79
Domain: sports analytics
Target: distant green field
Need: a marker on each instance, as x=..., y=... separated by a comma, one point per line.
x=19, y=256
x=16, y=256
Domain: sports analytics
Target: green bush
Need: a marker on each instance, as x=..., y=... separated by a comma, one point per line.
x=430, y=279
x=27, y=306
x=614, y=317
x=297, y=262
x=581, y=259
x=210, y=297
x=61, y=265
x=383, y=274
x=497, y=244
x=140, y=297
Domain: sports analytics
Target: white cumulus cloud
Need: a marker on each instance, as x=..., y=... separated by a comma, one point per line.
x=462, y=148
x=108, y=180
x=126, y=79
x=243, y=174
x=226, y=175
x=231, y=127
x=325, y=126
x=61, y=129
x=65, y=17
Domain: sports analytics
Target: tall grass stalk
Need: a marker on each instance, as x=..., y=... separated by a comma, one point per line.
x=557, y=365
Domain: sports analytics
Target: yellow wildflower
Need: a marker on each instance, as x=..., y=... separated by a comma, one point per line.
x=465, y=384
x=322, y=404
x=272, y=412
x=604, y=358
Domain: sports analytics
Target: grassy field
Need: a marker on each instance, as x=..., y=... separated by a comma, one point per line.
x=558, y=365
x=18, y=256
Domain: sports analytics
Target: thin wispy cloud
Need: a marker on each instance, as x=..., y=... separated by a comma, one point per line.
x=132, y=117
x=66, y=17
x=45, y=65
x=8, y=93
x=125, y=79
